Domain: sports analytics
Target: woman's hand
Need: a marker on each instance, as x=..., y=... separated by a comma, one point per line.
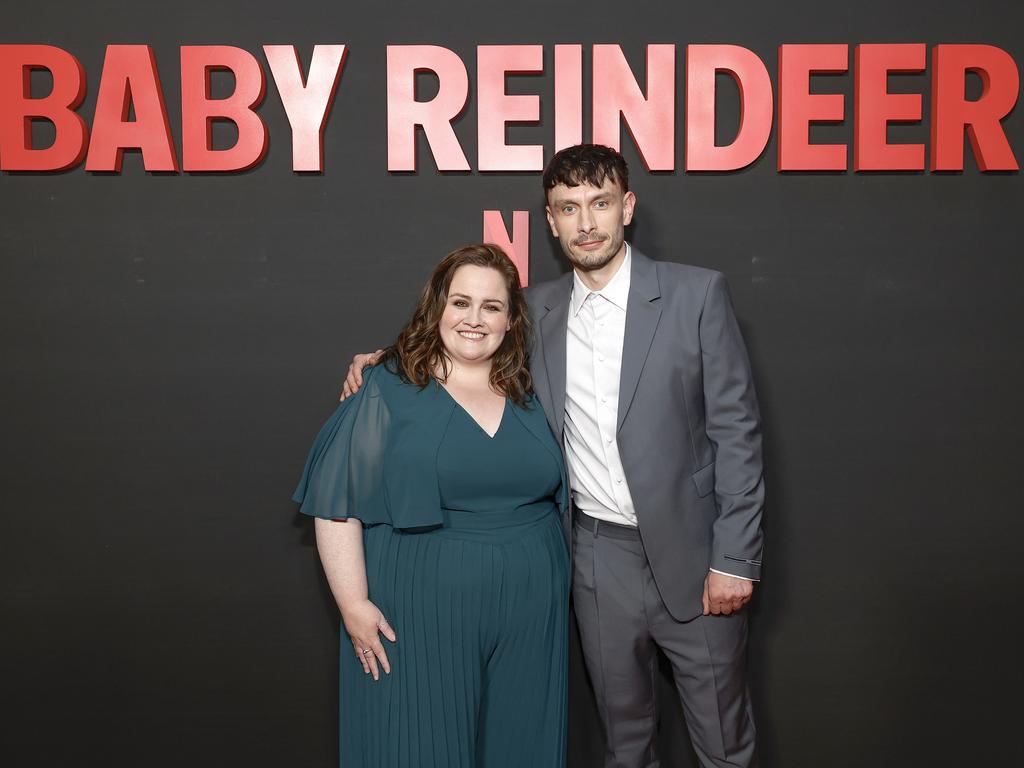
x=365, y=623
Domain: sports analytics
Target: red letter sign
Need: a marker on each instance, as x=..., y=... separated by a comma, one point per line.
x=874, y=107
x=650, y=119
x=405, y=113
x=198, y=110
x=952, y=113
x=702, y=63
x=495, y=108
x=130, y=79
x=568, y=96
x=18, y=109
x=306, y=104
x=798, y=108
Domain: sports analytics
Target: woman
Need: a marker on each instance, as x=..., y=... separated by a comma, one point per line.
x=439, y=490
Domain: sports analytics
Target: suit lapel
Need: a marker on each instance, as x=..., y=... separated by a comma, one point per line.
x=643, y=312
x=552, y=333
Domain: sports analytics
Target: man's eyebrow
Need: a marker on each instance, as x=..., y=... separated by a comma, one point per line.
x=559, y=202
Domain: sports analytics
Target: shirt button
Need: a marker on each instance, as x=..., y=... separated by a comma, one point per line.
x=618, y=480
x=608, y=439
x=604, y=399
x=601, y=359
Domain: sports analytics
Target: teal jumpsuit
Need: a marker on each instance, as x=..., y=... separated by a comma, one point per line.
x=466, y=558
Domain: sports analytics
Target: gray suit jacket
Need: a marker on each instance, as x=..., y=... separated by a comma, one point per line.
x=689, y=430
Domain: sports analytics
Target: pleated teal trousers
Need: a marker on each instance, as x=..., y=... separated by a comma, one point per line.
x=478, y=673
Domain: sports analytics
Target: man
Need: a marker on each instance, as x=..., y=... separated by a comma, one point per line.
x=644, y=377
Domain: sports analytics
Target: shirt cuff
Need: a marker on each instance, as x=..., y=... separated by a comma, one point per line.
x=745, y=578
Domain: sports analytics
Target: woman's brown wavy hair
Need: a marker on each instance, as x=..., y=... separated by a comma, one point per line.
x=418, y=351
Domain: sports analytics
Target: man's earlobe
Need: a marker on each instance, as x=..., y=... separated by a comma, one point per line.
x=628, y=207
x=551, y=222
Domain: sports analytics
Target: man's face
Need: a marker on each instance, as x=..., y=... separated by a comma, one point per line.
x=590, y=221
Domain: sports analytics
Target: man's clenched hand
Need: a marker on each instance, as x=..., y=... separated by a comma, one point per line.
x=724, y=594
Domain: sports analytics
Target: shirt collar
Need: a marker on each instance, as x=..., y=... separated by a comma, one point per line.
x=617, y=290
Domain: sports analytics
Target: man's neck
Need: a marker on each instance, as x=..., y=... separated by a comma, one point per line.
x=596, y=279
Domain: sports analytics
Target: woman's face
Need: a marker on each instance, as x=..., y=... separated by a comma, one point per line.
x=476, y=316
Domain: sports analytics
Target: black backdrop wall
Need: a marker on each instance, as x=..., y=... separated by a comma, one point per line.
x=171, y=343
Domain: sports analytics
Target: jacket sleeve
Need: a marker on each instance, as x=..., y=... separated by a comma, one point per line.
x=733, y=424
x=344, y=474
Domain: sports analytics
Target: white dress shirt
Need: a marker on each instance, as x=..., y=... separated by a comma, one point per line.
x=595, y=333
x=593, y=348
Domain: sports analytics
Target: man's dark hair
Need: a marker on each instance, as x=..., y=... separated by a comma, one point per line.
x=586, y=164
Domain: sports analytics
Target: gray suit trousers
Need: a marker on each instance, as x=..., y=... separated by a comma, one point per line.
x=622, y=622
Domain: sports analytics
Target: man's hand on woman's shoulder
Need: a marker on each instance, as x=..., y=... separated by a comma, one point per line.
x=354, y=379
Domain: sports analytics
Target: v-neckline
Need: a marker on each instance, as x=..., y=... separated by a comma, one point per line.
x=472, y=418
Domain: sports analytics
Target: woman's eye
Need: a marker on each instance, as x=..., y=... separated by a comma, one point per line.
x=461, y=303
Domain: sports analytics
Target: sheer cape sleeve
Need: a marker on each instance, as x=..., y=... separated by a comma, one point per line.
x=376, y=457
x=345, y=471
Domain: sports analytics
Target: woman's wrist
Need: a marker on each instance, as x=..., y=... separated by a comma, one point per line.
x=348, y=602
